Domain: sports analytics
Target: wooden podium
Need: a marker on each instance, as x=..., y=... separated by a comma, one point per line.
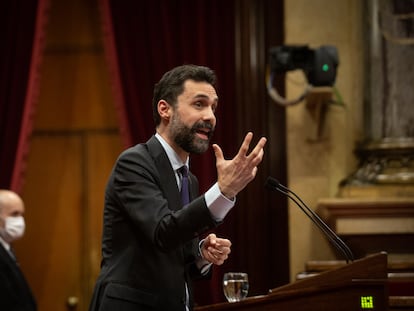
x=360, y=285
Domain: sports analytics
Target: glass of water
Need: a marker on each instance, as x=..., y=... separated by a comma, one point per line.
x=235, y=286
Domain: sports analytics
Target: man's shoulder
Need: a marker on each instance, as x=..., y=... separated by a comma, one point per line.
x=142, y=154
x=138, y=148
x=144, y=148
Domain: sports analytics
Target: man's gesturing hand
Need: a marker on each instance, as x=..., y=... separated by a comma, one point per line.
x=215, y=250
x=235, y=174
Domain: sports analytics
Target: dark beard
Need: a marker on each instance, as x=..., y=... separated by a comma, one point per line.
x=187, y=139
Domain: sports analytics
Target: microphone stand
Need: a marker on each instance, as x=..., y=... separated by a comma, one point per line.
x=331, y=235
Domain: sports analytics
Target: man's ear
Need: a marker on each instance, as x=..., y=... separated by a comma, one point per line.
x=164, y=109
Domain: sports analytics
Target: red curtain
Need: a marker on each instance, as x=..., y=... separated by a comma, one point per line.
x=144, y=39
x=21, y=29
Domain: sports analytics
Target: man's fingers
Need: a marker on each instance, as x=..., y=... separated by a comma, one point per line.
x=244, y=148
x=257, y=151
x=216, y=250
x=256, y=160
x=254, y=172
x=219, y=251
x=210, y=241
x=212, y=238
x=218, y=153
x=218, y=256
x=223, y=242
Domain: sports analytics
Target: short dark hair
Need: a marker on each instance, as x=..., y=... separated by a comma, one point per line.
x=171, y=84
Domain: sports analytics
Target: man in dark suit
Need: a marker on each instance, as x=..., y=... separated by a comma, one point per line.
x=150, y=246
x=15, y=293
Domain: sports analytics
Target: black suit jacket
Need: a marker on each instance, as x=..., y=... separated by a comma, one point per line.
x=15, y=293
x=149, y=243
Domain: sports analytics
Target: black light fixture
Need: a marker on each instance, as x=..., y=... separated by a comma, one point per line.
x=319, y=66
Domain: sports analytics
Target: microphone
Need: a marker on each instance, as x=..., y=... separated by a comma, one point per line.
x=339, y=244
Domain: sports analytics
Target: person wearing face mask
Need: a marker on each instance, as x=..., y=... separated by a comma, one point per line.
x=15, y=293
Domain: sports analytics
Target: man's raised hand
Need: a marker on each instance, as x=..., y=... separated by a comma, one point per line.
x=235, y=174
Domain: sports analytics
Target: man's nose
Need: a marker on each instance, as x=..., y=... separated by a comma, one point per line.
x=209, y=115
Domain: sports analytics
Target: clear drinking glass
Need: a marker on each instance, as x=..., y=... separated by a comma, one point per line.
x=235, y=286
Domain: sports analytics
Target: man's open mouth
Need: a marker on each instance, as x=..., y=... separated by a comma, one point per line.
x=203, y=133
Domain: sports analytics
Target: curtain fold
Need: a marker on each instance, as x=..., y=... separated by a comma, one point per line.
x=143, y=39
x=22, y=26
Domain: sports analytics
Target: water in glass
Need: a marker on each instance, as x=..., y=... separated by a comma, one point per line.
x=235, y=286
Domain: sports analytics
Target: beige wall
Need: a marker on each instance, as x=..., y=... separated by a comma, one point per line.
x=317, y=164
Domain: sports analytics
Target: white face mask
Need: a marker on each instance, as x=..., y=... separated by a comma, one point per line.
x=13, y=228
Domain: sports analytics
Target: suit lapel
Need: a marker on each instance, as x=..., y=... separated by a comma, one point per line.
x=172, y=193
x=166, y=173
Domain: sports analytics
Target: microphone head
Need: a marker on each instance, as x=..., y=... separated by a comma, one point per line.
x=272, y=183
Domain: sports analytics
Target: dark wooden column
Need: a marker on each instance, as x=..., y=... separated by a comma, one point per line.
x=259, y=25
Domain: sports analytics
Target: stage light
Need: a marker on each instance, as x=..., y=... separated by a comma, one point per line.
x=319, y=66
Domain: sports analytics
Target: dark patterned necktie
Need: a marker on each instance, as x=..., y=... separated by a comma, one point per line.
x=185, y=193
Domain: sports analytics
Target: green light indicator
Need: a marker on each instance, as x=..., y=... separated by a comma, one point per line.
x=325, y=67
x=367, y=302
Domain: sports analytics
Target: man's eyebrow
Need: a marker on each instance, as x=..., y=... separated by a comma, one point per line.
x=205, y=96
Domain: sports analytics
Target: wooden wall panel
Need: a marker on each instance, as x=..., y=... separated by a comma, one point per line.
x=49, y=253
x=74, y=145
x=75, y=92
x=74, y=23
x=102, y=151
